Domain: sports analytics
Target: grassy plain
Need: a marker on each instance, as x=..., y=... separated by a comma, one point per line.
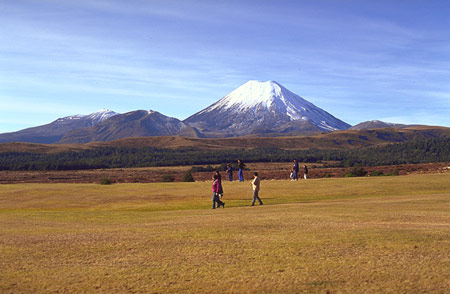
x=344, y=235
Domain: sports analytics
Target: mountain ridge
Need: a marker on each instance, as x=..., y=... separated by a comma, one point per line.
x=376, y=124
x=255, y=109
x=139, y=123
x=54, y=131
x=347, y=139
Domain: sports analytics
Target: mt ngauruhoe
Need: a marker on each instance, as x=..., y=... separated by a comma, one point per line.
x=263, y=108
x=255, y=108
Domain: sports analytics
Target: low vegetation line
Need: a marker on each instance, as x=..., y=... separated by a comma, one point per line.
x=417, y=151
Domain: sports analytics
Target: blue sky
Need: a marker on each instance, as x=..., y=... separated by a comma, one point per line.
x=358, y=60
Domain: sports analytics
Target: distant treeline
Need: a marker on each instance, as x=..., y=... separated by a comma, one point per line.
x=418, y=151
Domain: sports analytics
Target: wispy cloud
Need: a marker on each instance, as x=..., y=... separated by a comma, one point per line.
x=350, y=60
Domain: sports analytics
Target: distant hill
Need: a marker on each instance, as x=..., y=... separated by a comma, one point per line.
x=376, y=124
x=348, y=139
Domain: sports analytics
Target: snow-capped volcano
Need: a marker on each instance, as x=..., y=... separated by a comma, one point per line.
x=263, y=107
x=268, y=94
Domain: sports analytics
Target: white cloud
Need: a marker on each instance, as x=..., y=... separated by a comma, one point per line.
x=99, y=52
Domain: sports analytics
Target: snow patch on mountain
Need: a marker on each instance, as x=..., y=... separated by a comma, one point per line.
x=249, y=95
x=72, y=117
x=93, y=118
x=101, y=115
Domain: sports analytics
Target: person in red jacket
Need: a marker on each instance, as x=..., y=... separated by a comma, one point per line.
x=215, y=195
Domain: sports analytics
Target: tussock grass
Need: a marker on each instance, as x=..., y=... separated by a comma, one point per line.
x=350, y=235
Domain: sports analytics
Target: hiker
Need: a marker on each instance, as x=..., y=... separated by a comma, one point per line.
x=215, y=195
x=241, y=170
x=256, y=185
x=295, y=169
x=230, y=172
x=305, y=171
x=219, y=178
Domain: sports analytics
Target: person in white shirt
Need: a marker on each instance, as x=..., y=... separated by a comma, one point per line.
x=256, y=186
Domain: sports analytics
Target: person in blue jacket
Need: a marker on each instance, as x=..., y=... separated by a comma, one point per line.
x=295, y=171
x=230, y=172
x=241, y=170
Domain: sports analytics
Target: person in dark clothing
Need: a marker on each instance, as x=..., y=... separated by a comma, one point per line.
x=219, y=178
x=305, y=171
x=241, y=170
x=295, y=170
x=215, y=194
x=230, y=172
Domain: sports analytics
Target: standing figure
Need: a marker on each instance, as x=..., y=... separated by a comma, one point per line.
x=230, y=172
x=241, y=170
x=295, y=171
x=256, y=185
x=219, y=179
x=305, y=171
x=215, y=193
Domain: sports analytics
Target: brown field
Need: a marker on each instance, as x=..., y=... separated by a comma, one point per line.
x=338, y=235
x=267, y=171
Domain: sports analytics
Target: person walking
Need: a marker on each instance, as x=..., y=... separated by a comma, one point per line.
x=305, y=171
x=295, y=170
x=215, y=194
x=219, y=178
x=241, y=166
x=256, y=186
x=230, y=172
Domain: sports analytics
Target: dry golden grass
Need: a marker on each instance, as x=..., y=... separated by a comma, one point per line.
x=357, y=235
